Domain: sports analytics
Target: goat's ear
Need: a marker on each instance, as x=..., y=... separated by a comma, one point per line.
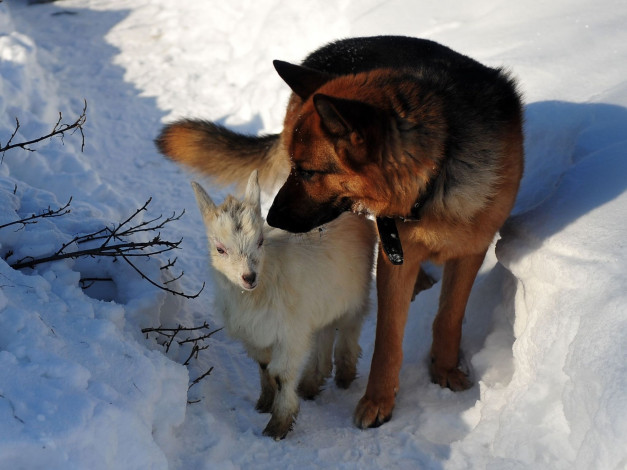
x=205, y=204
x=253, y=192
x=302, y=80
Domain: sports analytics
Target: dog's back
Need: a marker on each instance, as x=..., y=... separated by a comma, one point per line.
x=361, y=54
x=229, y=157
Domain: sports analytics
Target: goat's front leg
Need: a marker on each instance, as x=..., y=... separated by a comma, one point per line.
x=287, y=361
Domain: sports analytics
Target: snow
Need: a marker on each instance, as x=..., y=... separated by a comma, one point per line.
x=545, y=333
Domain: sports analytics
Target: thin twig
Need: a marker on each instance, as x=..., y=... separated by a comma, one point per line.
x=174, y=278
x=203, y=337
x=46, y=214
x=194, y=354
x=87, y=282
x=58, y=129
x=161, y=329
x=125, y=258
x=169, y=265
x=198, y=342
x=195, y=381
x=114, y=232
x=122, y=248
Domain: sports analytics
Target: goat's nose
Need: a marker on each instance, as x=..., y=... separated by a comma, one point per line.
x=249, y=278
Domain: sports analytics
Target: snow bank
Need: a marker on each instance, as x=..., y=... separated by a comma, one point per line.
x=565, y=404
x=80, y=387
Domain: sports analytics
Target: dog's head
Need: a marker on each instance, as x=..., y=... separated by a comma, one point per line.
x=335, y=146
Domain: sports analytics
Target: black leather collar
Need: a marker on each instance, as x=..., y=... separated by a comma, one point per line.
x=388, y=231
x=389, y=239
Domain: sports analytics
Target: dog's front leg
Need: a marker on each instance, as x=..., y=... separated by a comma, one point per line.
x=457, y=280
x=395, y=287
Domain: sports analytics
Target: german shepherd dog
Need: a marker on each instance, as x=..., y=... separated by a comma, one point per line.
x=424, y=139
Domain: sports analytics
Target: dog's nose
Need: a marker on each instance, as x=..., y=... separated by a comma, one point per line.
x=276, y=216
x=249, y=278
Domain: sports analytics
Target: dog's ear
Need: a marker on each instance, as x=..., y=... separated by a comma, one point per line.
x=302, y=80
x=253, y=191
x=341, y=117
x=206, y=205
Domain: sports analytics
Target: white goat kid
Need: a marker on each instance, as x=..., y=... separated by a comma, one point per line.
x=285, y=295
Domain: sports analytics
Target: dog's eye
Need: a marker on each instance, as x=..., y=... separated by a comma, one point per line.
x=306, y=174
x=220, y=249
x=260, y=242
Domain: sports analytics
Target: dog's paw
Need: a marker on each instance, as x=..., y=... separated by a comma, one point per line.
x=372, y=414
x=277, y=428
x=456, y=379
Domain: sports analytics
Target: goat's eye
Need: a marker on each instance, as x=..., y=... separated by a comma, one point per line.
x=260, y=242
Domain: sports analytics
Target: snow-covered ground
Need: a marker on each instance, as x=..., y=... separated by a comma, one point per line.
x=546, y=327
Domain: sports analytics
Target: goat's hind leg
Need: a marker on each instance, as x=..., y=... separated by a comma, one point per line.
x=347, y=349
x=268, y=390
x=319, y=365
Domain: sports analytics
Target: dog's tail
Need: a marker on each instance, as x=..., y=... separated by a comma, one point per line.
x=226, y=156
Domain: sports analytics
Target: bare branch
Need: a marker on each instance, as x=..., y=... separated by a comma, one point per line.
x=201, y=338
x=59, y=129
x=107, y=233
x=194, y=354
x=17, y=128
x=161, y=329
x=135, y=214
x=195, y=381
x=171, y=334
x=48, y=213
x=198, y=343
x=125, y=258
x=87, y=282
x=169, y=265
x=122, y=248
x=174, y=278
